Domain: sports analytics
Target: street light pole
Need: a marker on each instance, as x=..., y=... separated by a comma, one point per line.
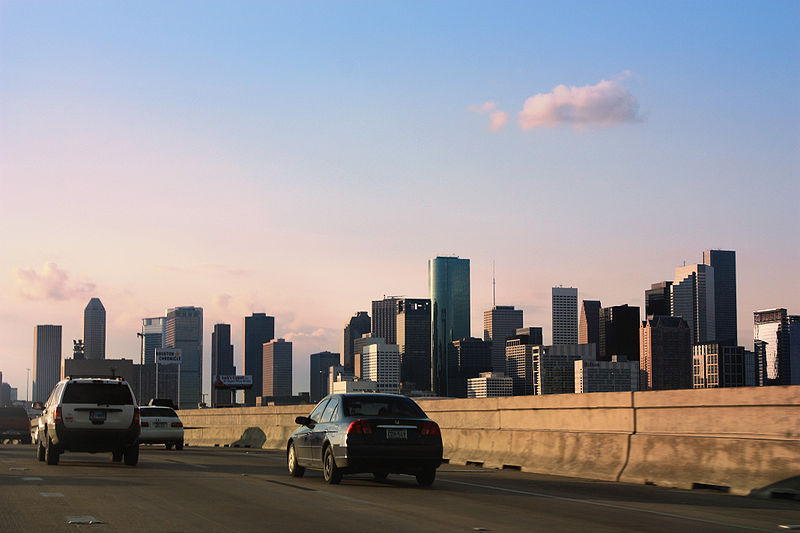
x=141, y=360
x=27, y=383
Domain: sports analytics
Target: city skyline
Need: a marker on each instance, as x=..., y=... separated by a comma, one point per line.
x=241, y=171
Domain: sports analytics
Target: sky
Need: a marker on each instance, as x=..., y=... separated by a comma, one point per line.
x=304, y=159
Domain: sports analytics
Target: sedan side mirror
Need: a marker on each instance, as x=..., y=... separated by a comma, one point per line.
x=302, y=420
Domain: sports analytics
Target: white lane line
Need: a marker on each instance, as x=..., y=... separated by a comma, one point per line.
x=18, y=468
x=51, y=494
x=31, y=478
x=9, y=460
x=85, y=519
x=347, y=498
x=600, y=504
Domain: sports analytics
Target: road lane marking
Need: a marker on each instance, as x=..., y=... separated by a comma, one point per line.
x=9, y=460
x=31, y=478
x=18, y=468
x=347, y=498
x=85, y=519
x=600, y=504
x=51, y=494
x=185, y=463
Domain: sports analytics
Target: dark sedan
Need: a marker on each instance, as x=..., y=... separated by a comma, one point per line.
x=378, y=433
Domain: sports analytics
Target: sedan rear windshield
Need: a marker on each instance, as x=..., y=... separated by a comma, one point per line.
x=158, y=411
x=98, y=393
x=381, y=406
x=13, y=412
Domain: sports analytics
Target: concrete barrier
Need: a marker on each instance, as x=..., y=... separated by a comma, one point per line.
x=739, y=440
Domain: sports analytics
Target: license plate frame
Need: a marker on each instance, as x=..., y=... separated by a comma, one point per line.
x=397, y=434
x=97, y=416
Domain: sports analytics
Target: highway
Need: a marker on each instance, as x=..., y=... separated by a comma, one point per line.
x=232, y=490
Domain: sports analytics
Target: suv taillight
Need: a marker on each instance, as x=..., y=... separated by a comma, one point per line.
x=430, y=428
x=57, y=416
x=136, y=415
x=359, y=427
x=177, y=424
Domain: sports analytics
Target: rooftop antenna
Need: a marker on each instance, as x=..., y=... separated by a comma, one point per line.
x=494, y=283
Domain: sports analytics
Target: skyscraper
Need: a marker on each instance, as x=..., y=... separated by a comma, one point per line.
x=382, y=365
x=693, y=301
x=565, y=315
x=589, y=324
x=619, y=332
x=724, y=264
x=221, y=362
x=94, y=330
x=319, y=368
x=384, y=319
x=665, y=353
x=155, y=336
x=414, y=341
x=715, y=365
x=358, y=325
x=468, y=358
x=658, y=299
x=500, y=323
x=46, y=360
x=257, y=329
x=448, y=287
x=277, y=365
x=519, y=359
x=185, y=331
x=772, y=333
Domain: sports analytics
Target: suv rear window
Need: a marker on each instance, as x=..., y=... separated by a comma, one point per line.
x=98, y=393
x=158, y=411
x=382, y=406
x=13, y=412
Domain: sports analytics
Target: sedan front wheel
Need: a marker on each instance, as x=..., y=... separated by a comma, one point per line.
x=295, y=470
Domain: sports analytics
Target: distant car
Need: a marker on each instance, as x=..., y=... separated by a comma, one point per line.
x=89, y=415
x=378, y=433
x=161, y=425
x=15, y=424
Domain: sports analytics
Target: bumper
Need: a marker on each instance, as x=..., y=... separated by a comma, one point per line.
x=94, y=440
x=400, y=460
x=158, y=436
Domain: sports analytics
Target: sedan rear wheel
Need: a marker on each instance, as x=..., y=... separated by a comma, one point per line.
x=169, y=445
x=295, y=469
x=330, y=471
x=426, y=477
x=116, y=455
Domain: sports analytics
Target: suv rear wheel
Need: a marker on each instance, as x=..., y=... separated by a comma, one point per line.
x=116, y=455
x=40, y=449
x=131, y=454
x=51, y=452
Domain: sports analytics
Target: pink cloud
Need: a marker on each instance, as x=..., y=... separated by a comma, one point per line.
x=497, y=120
x=604, y=104
x=482, y=108
x=52, y=283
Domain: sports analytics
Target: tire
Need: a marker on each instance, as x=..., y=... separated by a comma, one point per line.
x=40, y=450
x=295, y=470
x=51, y=453
x=426, y=477
x=331, y=472
x=169, y=445
x=116, y=455
x=131, y=454
x=380, y=475
x=179, y=445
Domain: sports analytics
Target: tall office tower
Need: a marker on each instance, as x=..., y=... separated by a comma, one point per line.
x=468, y=358
x=565, y=315
x=490, y=385
x=724, y=264
x=500, y=323
x=589, y=323
x=414, y=340
x=448, y=288
x=94, y=330
x=665, y=353
x=319, y=373
x=367, y=339
x=46, y=360
x=619, y=332
x=615, y=375
x=358, y=325
x=658, y=299
x=519, y=365
x=155, y=337
x=554, y=366
x=693, y=300
x=382, y=365
x=716, y=365
x=384, y=319
x=185, y=331
x=772, y=335
x=257, y=329
x=221, y=363
x=277, y=378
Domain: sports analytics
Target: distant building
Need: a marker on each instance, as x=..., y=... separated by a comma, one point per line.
x=349, y=386
x=619, y=332
x=468, y=358
x=384, y=319
x=257, y=329
x=221, y=363
x=449, y=291
x=185, y=331
x=414, y=340
x=589, y=323
x=716, y=365
x=154, y=330
x=519, y=359
x=665, y=353
x=565, y=315
x=167, y=388
x=46, y=360
x=490, y=385
x=554, y=366
x=94, y=330
x=382, y=365
x=102, y=368
x=319, y=370
x=358, y=325
x=358, y=353
x=724, y=264
x=776, y=337
x=658, y=299
x=615, y=375
x=693, y=301
x=500, y=323
x=277, y=364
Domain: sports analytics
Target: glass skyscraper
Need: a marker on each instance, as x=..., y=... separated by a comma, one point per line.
x=94, y=330
x=448, y=286
x=185, y=331
x=724, y=264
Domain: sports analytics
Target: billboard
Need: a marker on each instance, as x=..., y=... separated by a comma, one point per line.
x=168, y=356
x=233, y=382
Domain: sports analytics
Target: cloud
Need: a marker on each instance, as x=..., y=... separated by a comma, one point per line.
x=482, y=108
x=222, y=300
x=497, y=119
x=604, y=104
x=51, y=283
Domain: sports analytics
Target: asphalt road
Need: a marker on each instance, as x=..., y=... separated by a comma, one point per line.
x=227, y=490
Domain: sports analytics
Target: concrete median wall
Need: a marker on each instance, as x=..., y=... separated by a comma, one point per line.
x=744, y=439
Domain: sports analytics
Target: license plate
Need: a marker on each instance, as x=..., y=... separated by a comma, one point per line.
x=396, y=433
x=96, y=416
x=161, y=424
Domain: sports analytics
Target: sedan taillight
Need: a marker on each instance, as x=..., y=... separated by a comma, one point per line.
x=357, y=427
x=430, y=428
x=135, y=415
x=145, y=424
x=177, y=424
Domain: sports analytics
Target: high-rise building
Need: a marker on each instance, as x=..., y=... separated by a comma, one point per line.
x=468, y=358
x=665, y=353
x=565, y=315
x=658, y=299
x=777, y=337
x=717, y=365
x=414, y=340
x=519, y=362
x=448, y=287
x=359, y=344
x=358, y=325
x=490, y=385
x=94, y=330
x=221, y=363
x=615, y=375
x=319, y=372
x=554, y=366
x=185, y=331
x=46, y=360
x=155, y=336
x=382, y=365
x=257, y=329
x=384, y=319
x=724, y=264
x=693, y=300
x=589, y=323
x=500, y=323
x=619, y=332
x=277, y=378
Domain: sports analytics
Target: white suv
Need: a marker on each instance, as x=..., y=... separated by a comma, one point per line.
x=89, y=415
